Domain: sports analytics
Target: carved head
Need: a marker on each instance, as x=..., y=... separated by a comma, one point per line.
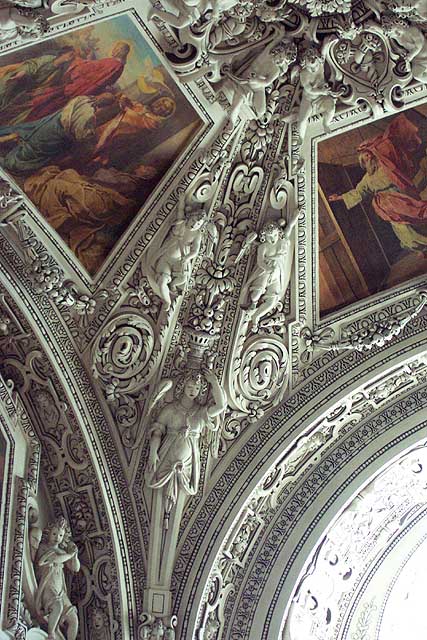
x=99, y=619
x=284, y=53
x=393, y=25
x=271, y=233
x=242, y=11
x=195, y=218
x=120, y=50
x=57, y=532
x=311, y=58
x=193, y=385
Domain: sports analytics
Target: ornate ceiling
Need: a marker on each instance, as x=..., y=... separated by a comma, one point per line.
x=213, y=240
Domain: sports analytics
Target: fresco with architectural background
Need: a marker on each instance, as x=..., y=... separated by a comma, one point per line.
x=372, y=208
x=90, y=122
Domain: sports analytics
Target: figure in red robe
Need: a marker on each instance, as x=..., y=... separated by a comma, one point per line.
x=389, y=175
x=82, y=78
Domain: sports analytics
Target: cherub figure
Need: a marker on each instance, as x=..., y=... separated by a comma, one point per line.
x=169, y=266
x=56, y=551
x=174, y=457
x=268, y=283
x=14, y=23
x=254, y=80
x=410, y=38
x=317, y=95
x=189, y=11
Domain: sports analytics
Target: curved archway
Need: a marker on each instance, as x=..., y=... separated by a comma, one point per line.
x=398, y=408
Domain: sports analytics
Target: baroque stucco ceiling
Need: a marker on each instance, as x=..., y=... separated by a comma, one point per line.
x=212, y=307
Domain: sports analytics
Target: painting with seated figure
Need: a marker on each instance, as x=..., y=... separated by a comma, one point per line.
x=90, y=122
x=372, y=203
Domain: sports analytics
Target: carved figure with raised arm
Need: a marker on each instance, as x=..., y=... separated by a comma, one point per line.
x=269, y=281
x=174, y=456
x=410, y=38
x=189, y=11
x=169, y=266
x=252, y=82
x=56, y=553
x=317, y=96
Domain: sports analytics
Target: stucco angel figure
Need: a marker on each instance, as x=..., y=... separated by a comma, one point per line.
x=410, y=38
x=254, y=79
x=189, y=11
x=174, y=456
x=56, y=552
x=15, y=23
x=269, y=281
x=317, y=96
x=169, y=266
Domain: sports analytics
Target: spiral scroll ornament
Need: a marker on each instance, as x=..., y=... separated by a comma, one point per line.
x=124, y=355
x=261, y=374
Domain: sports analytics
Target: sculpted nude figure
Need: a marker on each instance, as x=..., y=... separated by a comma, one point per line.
x=56, y=552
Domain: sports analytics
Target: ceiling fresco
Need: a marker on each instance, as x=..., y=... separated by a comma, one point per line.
x=372, y=196
x=213, y=305
x=90, y=122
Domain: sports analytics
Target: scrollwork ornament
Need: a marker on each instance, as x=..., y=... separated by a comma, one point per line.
x=260, y=375
x=124, y=355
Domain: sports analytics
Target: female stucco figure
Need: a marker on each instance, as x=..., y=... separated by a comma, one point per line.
x=174, y=457
x=56, y=552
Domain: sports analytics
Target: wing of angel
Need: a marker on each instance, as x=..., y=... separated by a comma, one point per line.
x=212, y=237
x=160, y=390
x=213, y=437
x=246, y=246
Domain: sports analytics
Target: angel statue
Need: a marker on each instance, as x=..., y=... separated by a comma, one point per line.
x=174, y=456
x=317, y=96
x=267, y=285
x=169, y=266
x=53, y=605
x=254, y=79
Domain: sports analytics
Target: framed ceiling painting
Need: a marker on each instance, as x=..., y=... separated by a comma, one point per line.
x=90, y=123
x=364, y=181
x=372, y=208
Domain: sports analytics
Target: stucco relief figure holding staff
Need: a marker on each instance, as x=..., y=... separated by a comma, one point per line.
x=269, y=281
x=56, y=552
x=174, y=457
